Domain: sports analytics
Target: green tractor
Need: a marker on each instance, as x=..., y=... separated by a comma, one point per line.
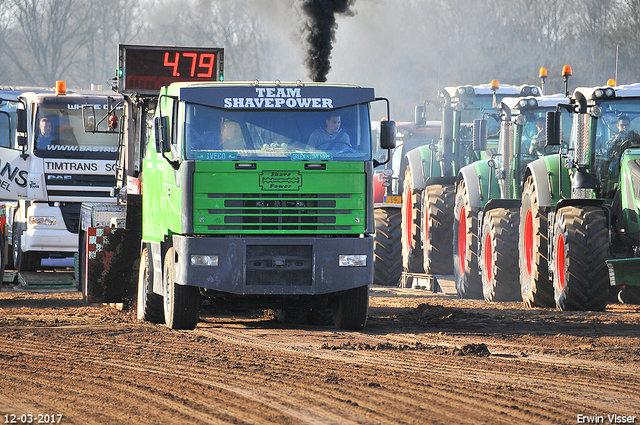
x=489, y=204
x=429, y=176
x=580, y=207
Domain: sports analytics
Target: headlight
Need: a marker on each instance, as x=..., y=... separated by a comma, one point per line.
x=42, y=221
x=352, y=260
x=204, y=260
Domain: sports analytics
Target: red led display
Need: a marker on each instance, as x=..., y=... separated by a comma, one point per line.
x=147, y=68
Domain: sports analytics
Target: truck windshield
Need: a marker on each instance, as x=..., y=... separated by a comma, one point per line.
x=7, y=122
x=60, y=131
x=285, y=135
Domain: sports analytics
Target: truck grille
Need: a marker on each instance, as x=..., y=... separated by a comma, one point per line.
x=281, y=211
x=79, y=185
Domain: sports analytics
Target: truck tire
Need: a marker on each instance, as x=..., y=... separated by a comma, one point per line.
x=437, y=237
x=351, y=309
x=294, y=316
x=321, y=316
x=387, y=247
x=181, y=302
x=465, y=246
x=411, y=244
x=535, y=284
x=580, y=251
x=23, y=261
x=499, y=264
x=149, y=304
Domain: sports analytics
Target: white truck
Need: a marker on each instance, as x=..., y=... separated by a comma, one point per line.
x=58, y=148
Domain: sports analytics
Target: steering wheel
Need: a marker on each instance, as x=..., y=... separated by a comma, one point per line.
x=335, y=142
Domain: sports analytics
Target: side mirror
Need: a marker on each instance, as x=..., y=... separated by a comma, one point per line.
x=419, y=115
x=161, y=124
x=387, y=134
x=553, y=128
x=479, y=135
x=21, y=118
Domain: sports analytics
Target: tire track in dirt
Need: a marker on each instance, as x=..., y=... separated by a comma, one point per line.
x=608, y=391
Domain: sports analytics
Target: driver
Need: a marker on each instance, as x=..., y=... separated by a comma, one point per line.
x=332, y=136
x=623, y=129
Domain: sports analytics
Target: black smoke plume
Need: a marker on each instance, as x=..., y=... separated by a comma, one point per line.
x=318, y=31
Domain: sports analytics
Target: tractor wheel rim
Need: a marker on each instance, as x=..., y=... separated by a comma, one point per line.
x=462, y=240
x=560, y=262
x=488, y=260
x=528, y=242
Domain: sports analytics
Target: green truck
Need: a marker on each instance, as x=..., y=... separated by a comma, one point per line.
x=241, y=205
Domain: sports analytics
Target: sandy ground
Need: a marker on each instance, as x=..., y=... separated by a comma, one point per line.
x=423, y=358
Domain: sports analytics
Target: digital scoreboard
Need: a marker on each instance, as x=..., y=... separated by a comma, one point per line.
x=144, y=69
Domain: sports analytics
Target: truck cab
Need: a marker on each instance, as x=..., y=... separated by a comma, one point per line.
x=58, y=148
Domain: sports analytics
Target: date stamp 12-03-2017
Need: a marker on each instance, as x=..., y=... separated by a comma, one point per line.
x=28, y=418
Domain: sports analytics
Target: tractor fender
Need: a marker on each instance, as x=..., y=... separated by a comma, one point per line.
x=414, y=161
x=545, y=172
x=476, y=177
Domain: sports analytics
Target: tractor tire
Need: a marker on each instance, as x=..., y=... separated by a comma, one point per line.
x=500, y=275
x=629, y=295
x=535, y=285
x=580, y=251
x=437, y=236
x=465, y=246
x=181, y=302
x=387, y=247
x=23, y=261
x=149, y=304
x=411, y=244
x=351, y=309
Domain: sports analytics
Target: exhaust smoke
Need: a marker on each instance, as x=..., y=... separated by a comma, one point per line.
x=318, y=31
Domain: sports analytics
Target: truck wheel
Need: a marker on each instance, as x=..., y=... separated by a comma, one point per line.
x=294, y=316
x=23, y=261
x=387, y=248
x=580, y=242
x=411, y=246
x=437, y=242
x=465, y=246
x=321, y=316
x=149, y=304
x=535, y=285
x=351, y=309
x=499, y=264
x=181, y=302
x=629, y=295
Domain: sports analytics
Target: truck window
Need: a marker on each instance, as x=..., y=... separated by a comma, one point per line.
x=60, y=131
x=284, y=135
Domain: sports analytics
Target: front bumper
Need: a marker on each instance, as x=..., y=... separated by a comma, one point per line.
x=274, y=265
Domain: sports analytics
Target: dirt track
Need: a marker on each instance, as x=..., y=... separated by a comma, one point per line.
x=423, y=358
